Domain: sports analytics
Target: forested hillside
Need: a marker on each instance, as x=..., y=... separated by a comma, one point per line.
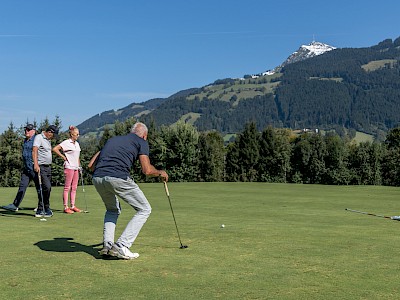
x=97, y=122
x=339, y=88
x=352, y=88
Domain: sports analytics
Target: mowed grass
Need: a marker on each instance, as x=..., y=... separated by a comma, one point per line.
x=280, y=241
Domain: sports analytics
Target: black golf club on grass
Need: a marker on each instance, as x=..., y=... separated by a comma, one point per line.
x=369, y=214
x=41, y=197
x=173, y=215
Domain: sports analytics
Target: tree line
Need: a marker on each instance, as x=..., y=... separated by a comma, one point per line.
x=270, y=155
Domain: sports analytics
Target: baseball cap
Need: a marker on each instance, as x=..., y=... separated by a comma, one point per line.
x=29, y=127
x=53, y=129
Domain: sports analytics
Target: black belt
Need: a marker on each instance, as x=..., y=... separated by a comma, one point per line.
x=44, y=165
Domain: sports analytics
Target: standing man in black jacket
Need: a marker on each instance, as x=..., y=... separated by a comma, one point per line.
x=27, y=173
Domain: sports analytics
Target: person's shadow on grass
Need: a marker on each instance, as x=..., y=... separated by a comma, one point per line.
x=67, y=245
x=20, y=213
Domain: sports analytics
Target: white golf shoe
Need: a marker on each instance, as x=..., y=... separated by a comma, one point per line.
x=122, y=252
x=397, y=218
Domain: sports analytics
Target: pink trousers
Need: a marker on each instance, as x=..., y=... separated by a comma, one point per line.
x=70, y=186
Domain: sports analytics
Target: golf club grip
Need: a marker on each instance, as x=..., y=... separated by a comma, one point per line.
x=40, y=178
x=166, y=188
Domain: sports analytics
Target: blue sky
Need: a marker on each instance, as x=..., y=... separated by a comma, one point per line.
x=78, y=58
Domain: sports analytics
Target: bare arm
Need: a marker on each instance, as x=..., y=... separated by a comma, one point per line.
x=92, y=162
x=149, y=170
x=57, y=151
x=35, y=159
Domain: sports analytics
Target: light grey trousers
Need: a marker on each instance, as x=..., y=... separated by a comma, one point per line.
x=110, y=189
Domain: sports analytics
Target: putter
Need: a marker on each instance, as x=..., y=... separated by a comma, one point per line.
x=173, y=215
x=369, y=214
x=43, y=219
x=84, y=195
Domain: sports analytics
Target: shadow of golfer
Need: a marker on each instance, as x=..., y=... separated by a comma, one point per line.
x=67, y=245
x=14, y=214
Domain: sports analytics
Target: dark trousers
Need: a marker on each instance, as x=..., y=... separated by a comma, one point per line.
x=26, y=177
x=44, y=188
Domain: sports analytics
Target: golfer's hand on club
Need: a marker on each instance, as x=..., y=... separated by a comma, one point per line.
x=163, y=175
x=36, y=168
x=149, y=170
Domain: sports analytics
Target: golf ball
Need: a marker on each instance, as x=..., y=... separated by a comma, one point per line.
x=222, y=226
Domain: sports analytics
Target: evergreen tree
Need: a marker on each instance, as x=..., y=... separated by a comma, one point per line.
x=308, y=158
x=366, y=163
x=249, y=152
x=10, y=156
x=106, y=135
x=391, y=158
x=275, y=153
x=232, y=162
x=181, y=161
x=336, y=160
x=211, y=156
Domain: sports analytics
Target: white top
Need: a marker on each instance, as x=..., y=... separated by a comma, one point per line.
x=71, y=150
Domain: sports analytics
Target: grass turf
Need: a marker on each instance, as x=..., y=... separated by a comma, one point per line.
x=280, y=241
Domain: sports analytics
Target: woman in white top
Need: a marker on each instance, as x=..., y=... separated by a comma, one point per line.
x=70, y=154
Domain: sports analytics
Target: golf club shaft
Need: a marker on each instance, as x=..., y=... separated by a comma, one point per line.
x=41, y=193
x=367, y=213
x=83, y=190
x=172, y=210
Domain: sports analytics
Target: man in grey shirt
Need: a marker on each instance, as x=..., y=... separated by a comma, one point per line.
x=42, y=159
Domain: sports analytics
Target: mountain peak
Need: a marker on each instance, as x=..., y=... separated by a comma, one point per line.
x=304, y=52
x=317, y=48
x=307, y=51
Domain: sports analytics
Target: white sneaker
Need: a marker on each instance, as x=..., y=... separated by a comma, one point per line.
x=122, y=252
x=105, y=251
x=397, y=218
x=10, y=207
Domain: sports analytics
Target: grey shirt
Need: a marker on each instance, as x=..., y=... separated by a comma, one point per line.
x=44, y=149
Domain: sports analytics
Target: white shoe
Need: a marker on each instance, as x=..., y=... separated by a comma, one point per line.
x=104, y=251
x=10, y=207
x=397, y=218
x=122, y=252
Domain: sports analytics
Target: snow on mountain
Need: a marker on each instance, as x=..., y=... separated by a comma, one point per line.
x=318, y=48
x=307, y=51
x=304, y=52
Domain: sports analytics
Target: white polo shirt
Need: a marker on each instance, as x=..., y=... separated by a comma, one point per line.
x=72, y=151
